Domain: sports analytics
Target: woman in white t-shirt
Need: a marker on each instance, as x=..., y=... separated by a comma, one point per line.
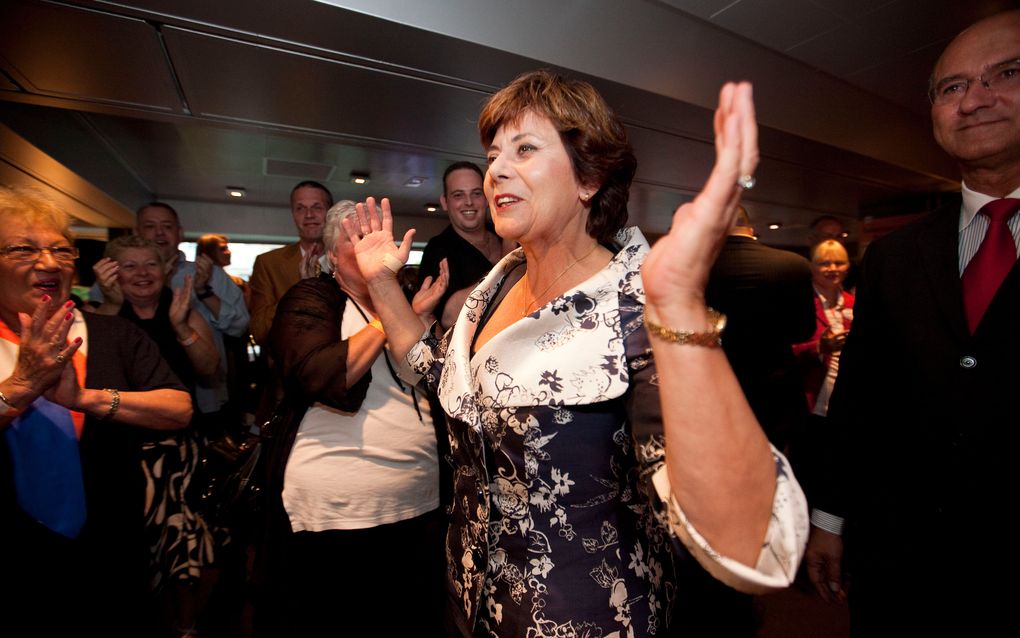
x=361, y=480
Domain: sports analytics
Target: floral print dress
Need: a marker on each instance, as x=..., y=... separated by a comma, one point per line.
x=557, y=528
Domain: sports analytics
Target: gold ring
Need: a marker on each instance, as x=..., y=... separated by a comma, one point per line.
x=746, y=182
x=60, y=358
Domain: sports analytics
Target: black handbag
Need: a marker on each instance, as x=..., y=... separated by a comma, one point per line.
x=227, y=483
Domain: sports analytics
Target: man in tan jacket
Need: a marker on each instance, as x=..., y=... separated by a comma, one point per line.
x=277, y=270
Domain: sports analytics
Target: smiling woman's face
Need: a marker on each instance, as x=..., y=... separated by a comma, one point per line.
x=532, y=190
x=829, y=265
x=141, y=274
x=23, y=283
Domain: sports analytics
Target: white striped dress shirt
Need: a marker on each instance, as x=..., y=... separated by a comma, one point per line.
x=973, y=226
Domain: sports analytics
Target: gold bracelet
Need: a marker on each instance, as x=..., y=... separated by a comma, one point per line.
x=114, y=403
x=8, y=407
x=711, y=338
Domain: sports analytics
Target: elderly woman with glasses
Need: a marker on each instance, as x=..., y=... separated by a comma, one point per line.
x=354, y=465
x=599, y=434
x=77, y=394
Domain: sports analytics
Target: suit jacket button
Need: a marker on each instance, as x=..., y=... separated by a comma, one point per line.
x=968, y=362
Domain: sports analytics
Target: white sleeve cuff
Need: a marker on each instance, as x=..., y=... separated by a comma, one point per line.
x=782, y=548
x=417, y=361
x=828, y=522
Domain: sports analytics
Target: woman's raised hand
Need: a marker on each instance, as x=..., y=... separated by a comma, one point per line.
x=106, y=270
x=427, y=297
x=372, y=235
x=180, y=308
x=44, y=353
x=676, y=270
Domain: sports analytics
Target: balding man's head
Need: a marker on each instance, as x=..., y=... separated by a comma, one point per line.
x=975, y=91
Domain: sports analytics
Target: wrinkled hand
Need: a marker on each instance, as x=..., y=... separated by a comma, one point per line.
x=824, y=562
x=203, y=271
x=180, y=309
x=66, y=391
x=831, y=341
x=427, y=298
x=372, y=236
x=676, y=270
x=106, y=271
x=43, y=339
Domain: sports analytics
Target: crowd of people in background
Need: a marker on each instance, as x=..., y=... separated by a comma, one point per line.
x=535, y=433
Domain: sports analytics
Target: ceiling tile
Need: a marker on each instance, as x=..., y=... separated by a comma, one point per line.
x=851, y=9
x=777, y=25
x=80, y=54
x=701, y=8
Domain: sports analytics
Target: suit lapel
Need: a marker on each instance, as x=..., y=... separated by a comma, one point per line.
x=938, y=247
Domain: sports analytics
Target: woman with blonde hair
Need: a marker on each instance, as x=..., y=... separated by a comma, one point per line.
x=78, y=394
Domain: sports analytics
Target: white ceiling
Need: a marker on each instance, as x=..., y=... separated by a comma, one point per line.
x=178, y=99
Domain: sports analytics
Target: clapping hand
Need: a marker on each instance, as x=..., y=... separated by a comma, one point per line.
x=180, y=308
x=372, y=235
x=106, y=271
x=43, y=352
x=203, y=271
x=427, y=297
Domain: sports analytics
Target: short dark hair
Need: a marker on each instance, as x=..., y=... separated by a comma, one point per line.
x=593, y=135
x=308, y=183
x=163, y=205
x=821, y=219
x=456, y=166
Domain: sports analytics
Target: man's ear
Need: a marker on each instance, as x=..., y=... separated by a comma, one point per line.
x=442, y=202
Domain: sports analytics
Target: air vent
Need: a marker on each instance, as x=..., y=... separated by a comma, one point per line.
x=298, y=170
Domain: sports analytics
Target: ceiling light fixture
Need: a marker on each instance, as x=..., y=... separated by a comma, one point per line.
x=235, y=191
x=431, y=208
x=359, y=178
x=775, y=226
x=414, y=182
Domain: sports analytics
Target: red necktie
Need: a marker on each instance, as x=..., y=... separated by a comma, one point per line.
x=992, y=261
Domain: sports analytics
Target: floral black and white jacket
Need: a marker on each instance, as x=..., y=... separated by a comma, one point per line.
x=562, y=523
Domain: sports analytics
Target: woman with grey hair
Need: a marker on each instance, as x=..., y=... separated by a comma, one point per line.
x=354, y=466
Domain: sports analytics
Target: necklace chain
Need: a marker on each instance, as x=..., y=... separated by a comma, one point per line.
x=527, y=308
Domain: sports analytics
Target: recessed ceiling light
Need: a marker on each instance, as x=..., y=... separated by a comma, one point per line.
x=235, y=191
x=775, y=226
x=359, y=178
x=414, y=182
x=431, y=208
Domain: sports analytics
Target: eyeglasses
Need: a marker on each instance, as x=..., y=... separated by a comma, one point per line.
x=28, y=252
x=999, y=78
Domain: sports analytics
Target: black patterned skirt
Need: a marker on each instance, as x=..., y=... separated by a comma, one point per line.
x=179, y=540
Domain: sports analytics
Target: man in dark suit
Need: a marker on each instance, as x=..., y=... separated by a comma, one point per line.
x=276, y=271
x=924, y=409
x=768, y=301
